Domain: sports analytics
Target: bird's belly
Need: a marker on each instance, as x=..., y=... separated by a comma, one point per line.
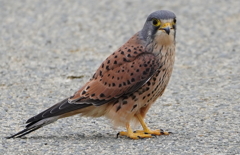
x=155, y=87
x=125, y=108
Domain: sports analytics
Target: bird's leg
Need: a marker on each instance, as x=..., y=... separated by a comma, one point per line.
x=146, y=130
x=133, y=135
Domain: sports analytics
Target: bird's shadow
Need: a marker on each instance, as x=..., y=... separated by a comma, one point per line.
x=72, y=137
x=78, y=137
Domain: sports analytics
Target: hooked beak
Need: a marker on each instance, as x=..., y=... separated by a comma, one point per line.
x=166, y=27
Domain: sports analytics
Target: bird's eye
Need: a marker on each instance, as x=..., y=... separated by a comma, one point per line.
x=174, y=21
x=156, y=22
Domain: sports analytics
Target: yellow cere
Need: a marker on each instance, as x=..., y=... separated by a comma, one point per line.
x=166, y=25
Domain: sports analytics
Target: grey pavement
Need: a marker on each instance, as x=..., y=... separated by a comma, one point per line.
x=43, y=42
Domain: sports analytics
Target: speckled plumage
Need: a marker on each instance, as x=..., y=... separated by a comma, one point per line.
x=127, y=83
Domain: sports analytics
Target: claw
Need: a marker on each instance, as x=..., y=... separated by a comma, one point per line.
x=162, y=132
x=118, y=134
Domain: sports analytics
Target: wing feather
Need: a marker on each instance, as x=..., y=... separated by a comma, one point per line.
x=116, y=82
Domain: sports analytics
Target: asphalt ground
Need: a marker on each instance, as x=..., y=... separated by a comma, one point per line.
x=43, y=43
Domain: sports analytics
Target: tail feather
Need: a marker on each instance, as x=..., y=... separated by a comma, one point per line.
x=23, y=132
x=34, y=126
x=48, y=116
x=58, y=109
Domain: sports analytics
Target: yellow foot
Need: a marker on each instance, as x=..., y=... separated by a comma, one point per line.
x=135, y=135
x=152, y=132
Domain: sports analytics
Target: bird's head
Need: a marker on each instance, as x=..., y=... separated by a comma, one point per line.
x=160, y=27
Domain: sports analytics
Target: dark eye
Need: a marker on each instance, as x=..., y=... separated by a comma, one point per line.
x=156, y=22
x=174, y=21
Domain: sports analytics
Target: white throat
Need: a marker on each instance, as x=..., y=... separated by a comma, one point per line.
x=164, y=39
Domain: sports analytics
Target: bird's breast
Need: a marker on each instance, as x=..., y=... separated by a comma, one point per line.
x=155, y=87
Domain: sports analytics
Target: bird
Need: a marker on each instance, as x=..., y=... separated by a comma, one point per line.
x=126, y=84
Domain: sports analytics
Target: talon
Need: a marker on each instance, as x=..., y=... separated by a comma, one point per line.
x=153, y=135
x=118, y=134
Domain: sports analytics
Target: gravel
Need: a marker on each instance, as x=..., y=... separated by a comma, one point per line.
x=44, y=42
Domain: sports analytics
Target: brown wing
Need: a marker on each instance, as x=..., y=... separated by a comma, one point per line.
x=112, y=81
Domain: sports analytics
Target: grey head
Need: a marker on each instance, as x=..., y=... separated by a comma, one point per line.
x=162, y=22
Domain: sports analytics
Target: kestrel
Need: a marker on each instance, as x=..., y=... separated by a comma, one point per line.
x=126, y=84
